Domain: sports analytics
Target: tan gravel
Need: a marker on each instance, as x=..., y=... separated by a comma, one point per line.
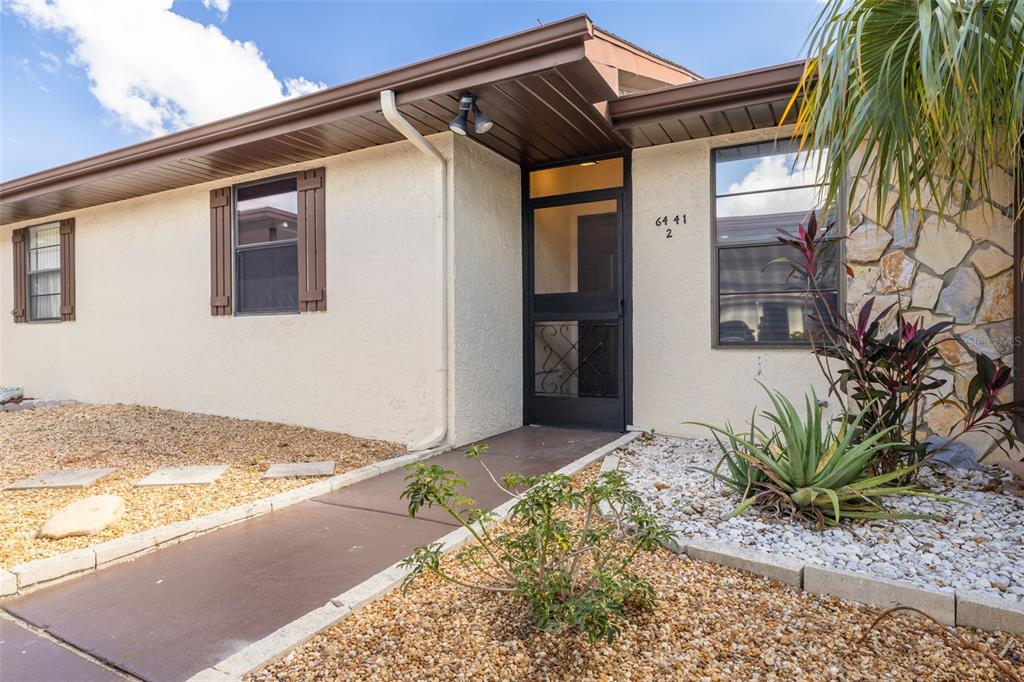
x=138, y=440
x=711, y=623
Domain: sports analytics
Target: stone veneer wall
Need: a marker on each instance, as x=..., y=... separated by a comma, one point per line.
x=942, y=267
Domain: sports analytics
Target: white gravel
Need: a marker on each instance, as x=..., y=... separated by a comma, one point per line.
x=978, y=545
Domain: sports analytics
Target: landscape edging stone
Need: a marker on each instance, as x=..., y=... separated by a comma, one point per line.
x=783, y=569
x=54, y=567
x=33, y=574
x=989, y=612
x=8, y=583
x=858, y=587
x=261, y=652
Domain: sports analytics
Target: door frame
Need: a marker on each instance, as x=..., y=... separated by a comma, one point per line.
x=624, y=196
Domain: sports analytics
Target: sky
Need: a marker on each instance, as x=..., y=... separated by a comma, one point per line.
x=80, y=77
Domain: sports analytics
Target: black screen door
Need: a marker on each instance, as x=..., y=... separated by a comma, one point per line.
x=575, y=310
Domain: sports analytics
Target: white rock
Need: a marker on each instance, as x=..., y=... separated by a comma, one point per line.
x=978, y=546
x=9, y=393
x=84, y=517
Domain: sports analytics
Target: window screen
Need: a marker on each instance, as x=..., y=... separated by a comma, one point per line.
x=266, y=247
x=44, y=272
x=761, y=189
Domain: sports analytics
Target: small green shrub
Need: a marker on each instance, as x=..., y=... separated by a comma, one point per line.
x=572, y=574
x=808, y=468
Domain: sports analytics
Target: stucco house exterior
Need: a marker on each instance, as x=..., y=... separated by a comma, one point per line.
x=598, y=257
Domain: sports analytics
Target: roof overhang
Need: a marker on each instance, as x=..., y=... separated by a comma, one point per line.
x=552, y=91
x=542, y=89
x=715, y=106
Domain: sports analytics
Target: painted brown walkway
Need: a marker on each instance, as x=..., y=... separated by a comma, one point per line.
x=174, y=612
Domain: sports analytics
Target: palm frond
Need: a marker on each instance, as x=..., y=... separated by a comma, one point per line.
x=924, y=96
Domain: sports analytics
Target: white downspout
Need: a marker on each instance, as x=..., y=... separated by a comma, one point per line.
x=391, y=113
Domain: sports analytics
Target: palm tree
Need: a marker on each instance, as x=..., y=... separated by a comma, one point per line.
x=919, y=95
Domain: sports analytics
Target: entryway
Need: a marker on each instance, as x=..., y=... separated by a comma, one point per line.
x=576, y=335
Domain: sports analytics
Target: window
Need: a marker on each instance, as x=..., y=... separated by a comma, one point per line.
x=266, y=247
x=760, y=189
x=44, y=272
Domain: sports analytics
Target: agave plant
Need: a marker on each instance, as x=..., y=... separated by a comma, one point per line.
x=810, y=468
x=741, y=475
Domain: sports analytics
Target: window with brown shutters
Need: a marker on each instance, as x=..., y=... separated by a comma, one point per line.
x=312, y=238
x=268, y=246
x=44, y=272
x=220, y=251
x=67, y=269
x=20, y=275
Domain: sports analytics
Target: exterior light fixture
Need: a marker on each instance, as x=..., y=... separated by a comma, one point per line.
x=460, y=124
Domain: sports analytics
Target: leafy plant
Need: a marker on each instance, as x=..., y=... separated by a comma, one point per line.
x=809, y=468
x=572, y=575
x=741, y=473
x=922, y=95
x=888, y=371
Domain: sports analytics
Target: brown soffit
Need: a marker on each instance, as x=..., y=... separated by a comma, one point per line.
x=521, y=53
x=706, y=96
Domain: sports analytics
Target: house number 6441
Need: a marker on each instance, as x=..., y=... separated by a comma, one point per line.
x=667, y=223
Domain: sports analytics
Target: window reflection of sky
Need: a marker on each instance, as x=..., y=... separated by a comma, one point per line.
x=774, y=171
x=286, y=201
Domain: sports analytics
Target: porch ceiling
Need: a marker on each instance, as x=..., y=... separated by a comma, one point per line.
x=715, y=106
x=539, y=87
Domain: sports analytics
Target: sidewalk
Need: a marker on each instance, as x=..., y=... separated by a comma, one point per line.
x=174, y=612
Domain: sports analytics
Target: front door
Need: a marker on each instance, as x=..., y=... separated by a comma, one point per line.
x=575, y=336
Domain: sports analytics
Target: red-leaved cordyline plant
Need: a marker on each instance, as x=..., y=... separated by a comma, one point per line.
x=887, y=371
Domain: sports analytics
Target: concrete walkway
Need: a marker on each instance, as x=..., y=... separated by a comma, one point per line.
x=174, y=612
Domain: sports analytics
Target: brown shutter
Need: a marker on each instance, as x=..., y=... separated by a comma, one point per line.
x=67, y=270
x=312, y=237
x=220, y=251
x=20, y=275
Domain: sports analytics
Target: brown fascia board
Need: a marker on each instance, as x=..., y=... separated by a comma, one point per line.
x=712, y=94
x=518, y=54
x=657, y=61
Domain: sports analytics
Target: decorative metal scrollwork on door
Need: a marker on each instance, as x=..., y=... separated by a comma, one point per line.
x=575, y=359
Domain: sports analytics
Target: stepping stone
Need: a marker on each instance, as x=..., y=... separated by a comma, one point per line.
x=183, y=475
x=299, y=470
x=87, y=516
x=61, y=478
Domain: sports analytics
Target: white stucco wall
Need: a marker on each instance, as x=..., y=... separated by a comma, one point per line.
x=487, y=357
x=144, y=333
x=677, y=375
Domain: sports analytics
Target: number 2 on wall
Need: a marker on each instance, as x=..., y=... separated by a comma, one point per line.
x=665, y=221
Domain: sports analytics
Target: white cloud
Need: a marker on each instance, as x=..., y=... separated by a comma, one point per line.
x=221, y=6
x=156, y=70
x=770, y=172
x=51, y=62
x=294, y=87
